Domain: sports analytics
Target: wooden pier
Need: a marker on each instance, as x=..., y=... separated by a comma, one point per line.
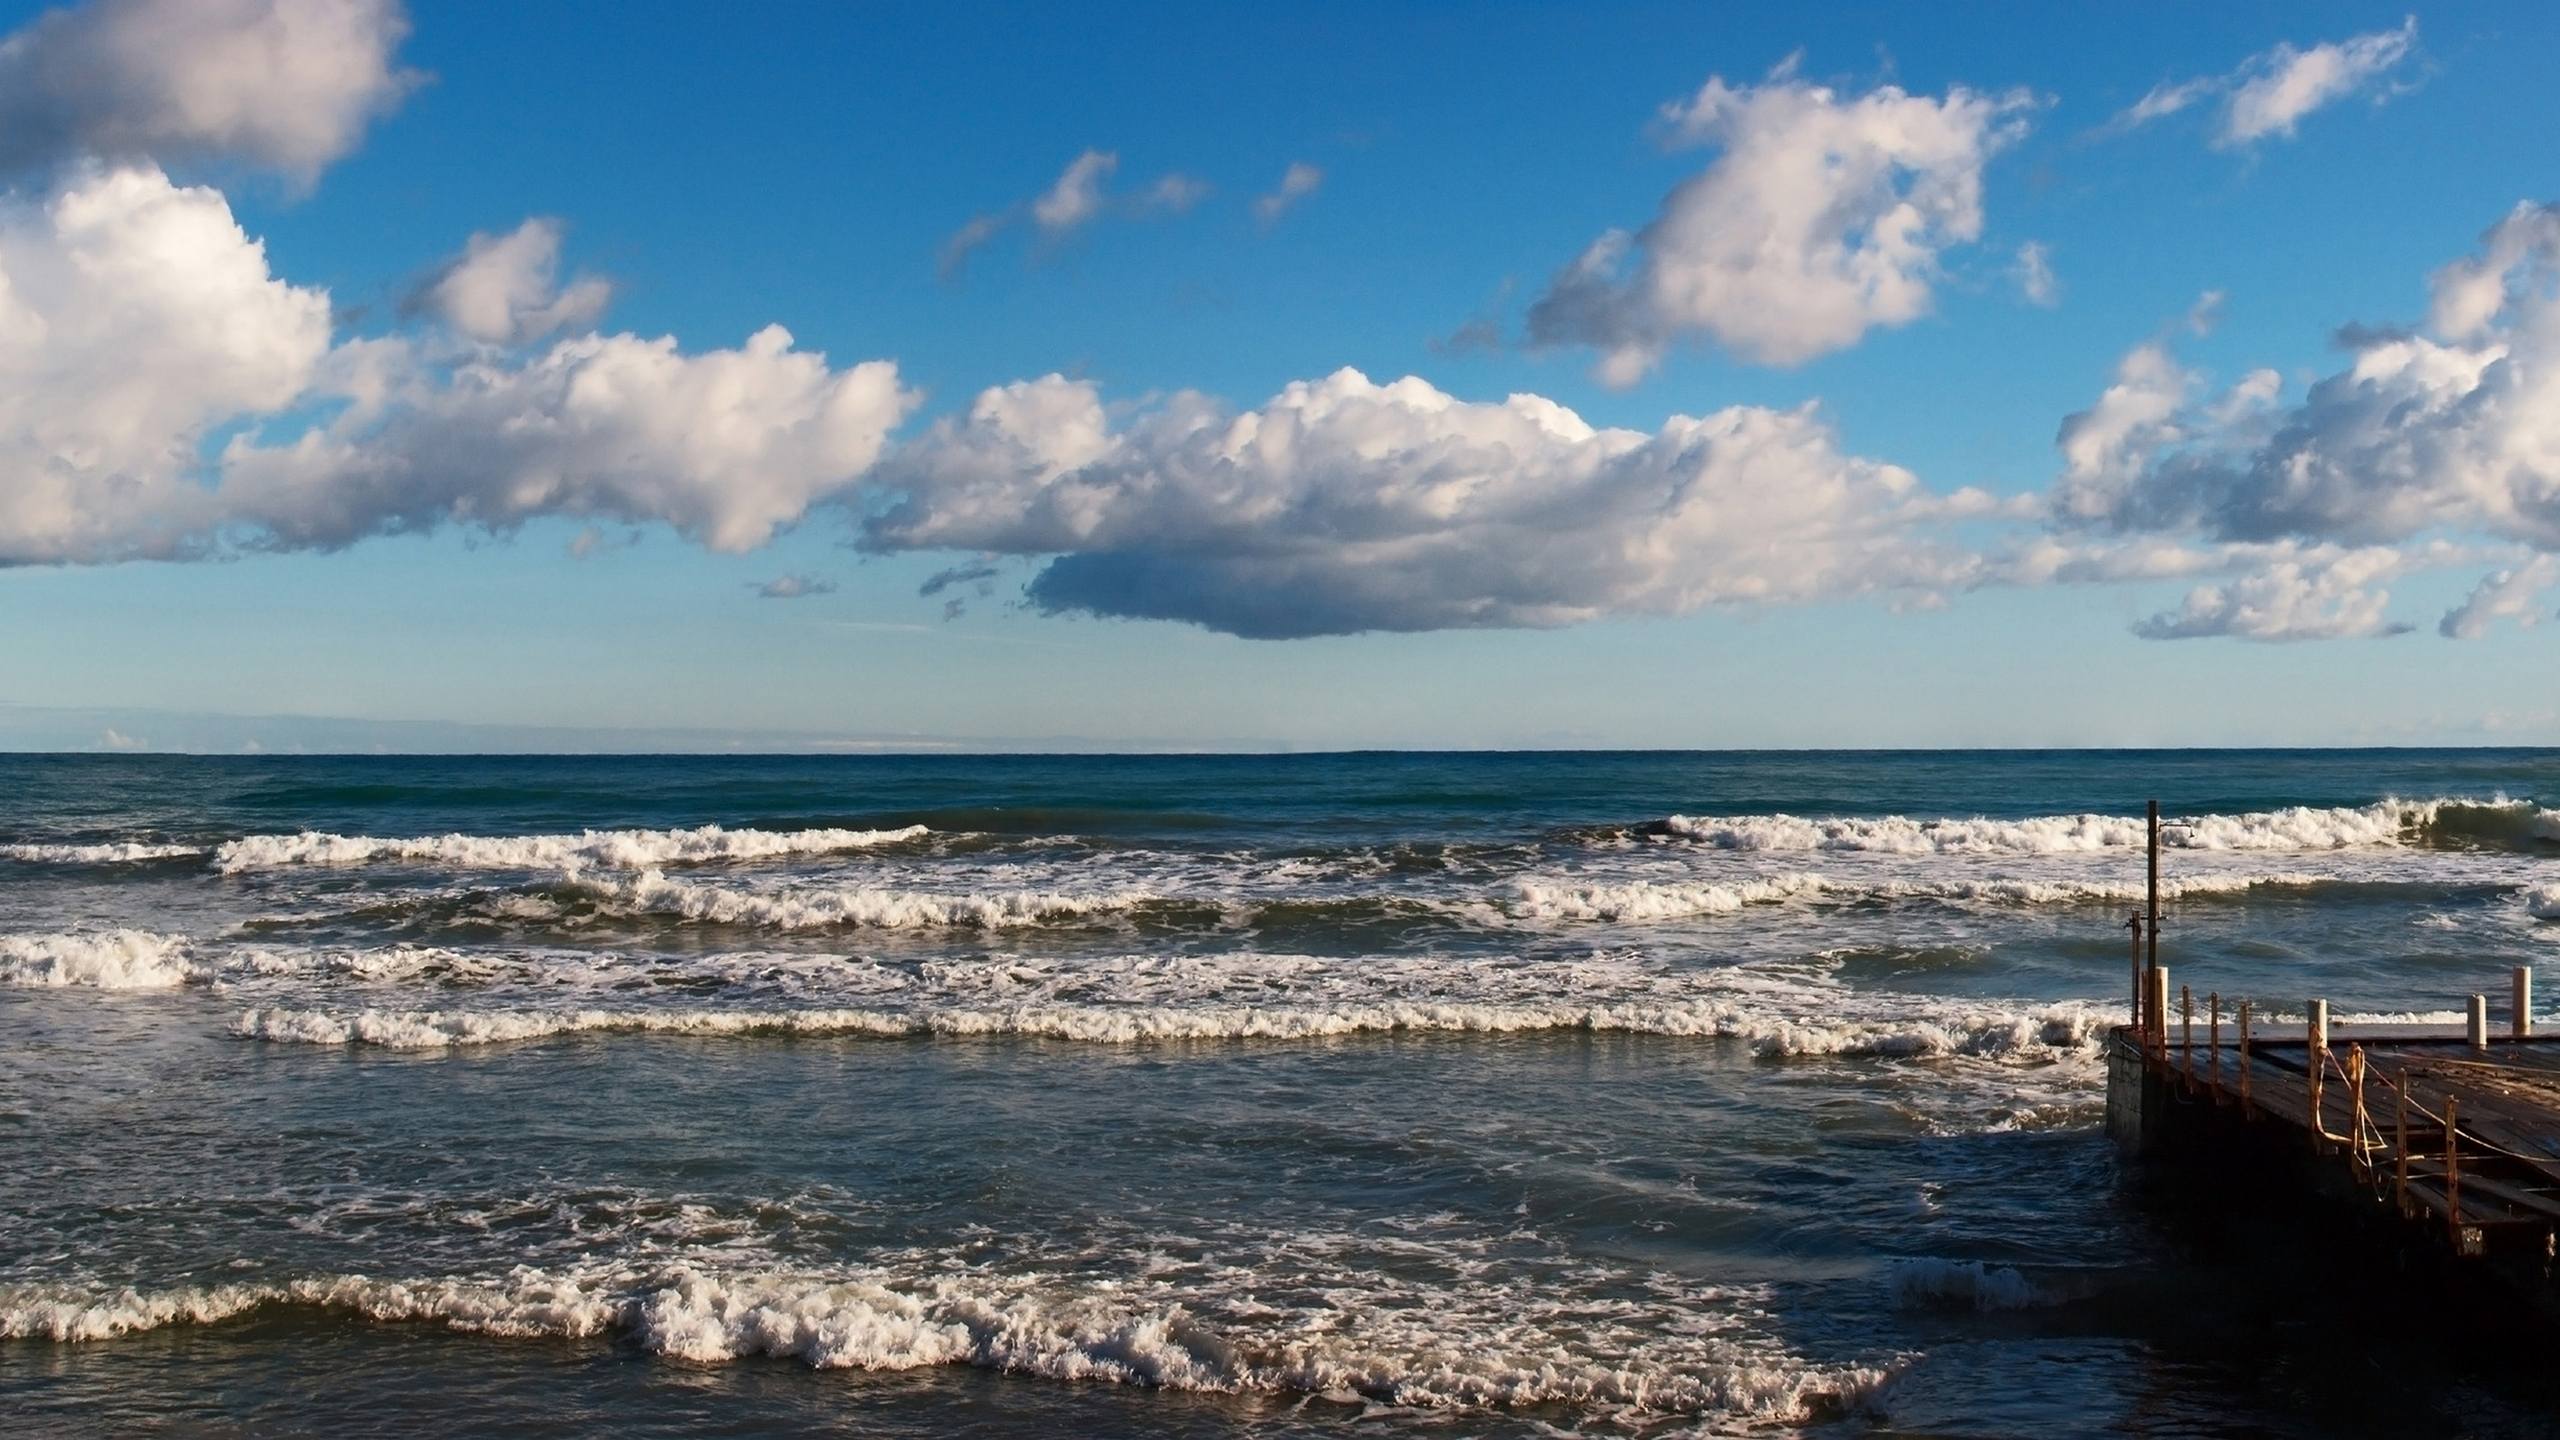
x=2446, y=1138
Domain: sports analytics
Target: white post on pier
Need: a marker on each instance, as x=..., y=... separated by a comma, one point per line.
x=2319, y=1029
x=2479, y=1030
x=2156, y=1008
x=2521, y=1011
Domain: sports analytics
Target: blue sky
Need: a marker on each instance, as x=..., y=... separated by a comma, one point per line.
x=806, y=165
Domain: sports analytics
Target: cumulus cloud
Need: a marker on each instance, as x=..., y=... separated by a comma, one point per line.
x=2455, y=428
x=2438, y=445
x=1298, y=182
x=793, y=587
x=1342, y=505
x=2268, y=95
x=138, y=323
x=2514, y=593
x=136, y=317
x=2328, y=598
x=724, y=446
x=505, y=289
x=1822, y=217
x=281, y=85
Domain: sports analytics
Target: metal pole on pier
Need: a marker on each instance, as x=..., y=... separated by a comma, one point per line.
x=2520, y=1008
x=2151, y=912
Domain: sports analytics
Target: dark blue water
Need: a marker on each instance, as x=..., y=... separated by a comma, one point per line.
x=1472, y=1094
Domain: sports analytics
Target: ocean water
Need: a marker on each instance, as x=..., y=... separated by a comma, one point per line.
x=1613, y=1094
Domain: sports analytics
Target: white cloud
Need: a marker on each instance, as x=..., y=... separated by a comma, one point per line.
x=135, y=318
x=2034, y=274
x=138, y=323
x=1343, y=506
x=2431, y=448
x=2285, y=84
x=114, y=739
x=793, y=587
x=2165, y=99
x=2270, y=92
x=1079, y=196
x=1822, y=217
x=1175, y=193
x=2330, y=598
x=965, y=241
x=2514, y=594
x=284, y=85
x=1076, y=197
x=505, y=289
x=2455, y=431
x=724, y=446
x=1298, y=182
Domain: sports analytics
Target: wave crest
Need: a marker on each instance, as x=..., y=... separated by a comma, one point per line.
x=607, y=849
x=2498, y=820
x=2047, y=1033
x=653, y=892
x=104, y=960
x=886, y=1322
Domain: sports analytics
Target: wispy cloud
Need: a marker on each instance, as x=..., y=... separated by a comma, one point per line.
x=792, y=587
x=2033, y=272
x=1079, y=196
x=2267, y=95
x=1298, y=182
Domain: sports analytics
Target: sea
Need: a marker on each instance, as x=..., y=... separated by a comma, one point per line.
x=1627, y=1094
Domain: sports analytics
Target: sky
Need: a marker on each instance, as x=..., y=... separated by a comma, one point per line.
x=826, y=377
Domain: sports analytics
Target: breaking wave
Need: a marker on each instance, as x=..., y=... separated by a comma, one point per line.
x=1639, y=900
x=2038, y=1035
x=2496, y=821
x=1468, y=1353
x=612, y=849
x=2543, y=902
x=1928, y=1282
x=105, y=960
x=654, y=893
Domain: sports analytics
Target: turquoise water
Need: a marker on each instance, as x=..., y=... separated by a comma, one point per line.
x=1489, y=1094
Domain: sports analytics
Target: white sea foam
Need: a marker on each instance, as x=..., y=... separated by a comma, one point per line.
x=1474, y=1346
x=617, y=849
x=653, y=892
x=2036, y=1034
x=1641, y=900
x=1657, y=900
x=104, y=960
x=122, y=852
x=2542, y=902
x=2300, y=827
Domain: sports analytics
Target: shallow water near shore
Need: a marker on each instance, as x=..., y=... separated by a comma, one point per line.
x=1631, y=1094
